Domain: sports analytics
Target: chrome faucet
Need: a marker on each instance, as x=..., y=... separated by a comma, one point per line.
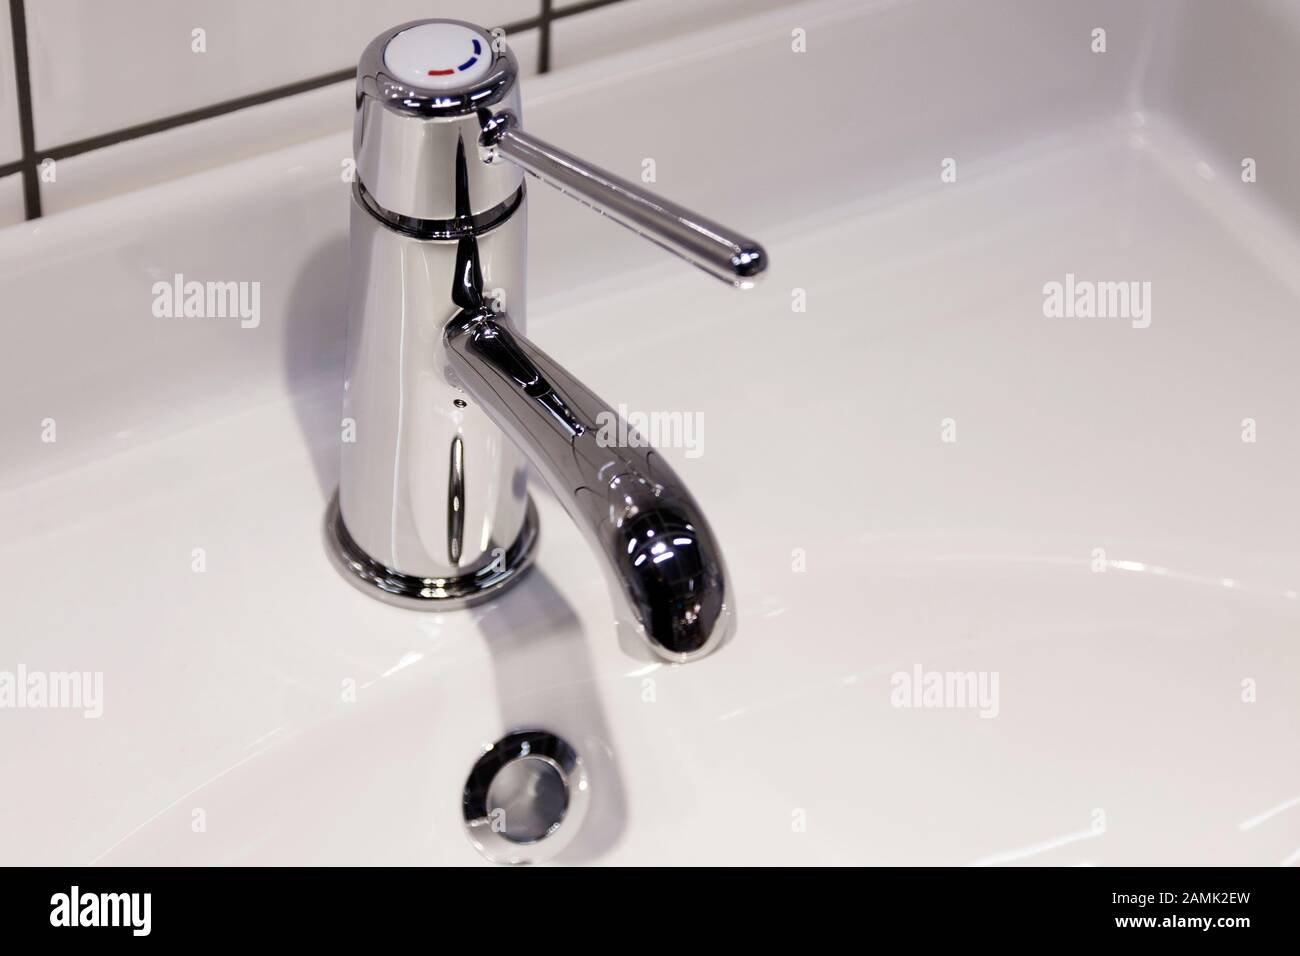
x=445, y=400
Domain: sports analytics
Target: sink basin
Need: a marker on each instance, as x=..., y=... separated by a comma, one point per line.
x=921, y=479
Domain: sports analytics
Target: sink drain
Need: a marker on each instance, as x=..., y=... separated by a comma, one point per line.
x=525, y=798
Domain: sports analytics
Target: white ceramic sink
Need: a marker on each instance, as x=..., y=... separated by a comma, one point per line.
x=1098, y=538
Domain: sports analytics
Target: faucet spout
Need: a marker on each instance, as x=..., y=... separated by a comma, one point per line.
x=657, y=546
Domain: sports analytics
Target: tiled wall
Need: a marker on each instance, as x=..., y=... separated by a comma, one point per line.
x=101, y=97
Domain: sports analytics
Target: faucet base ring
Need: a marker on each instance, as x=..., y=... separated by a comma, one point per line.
x=428, y=594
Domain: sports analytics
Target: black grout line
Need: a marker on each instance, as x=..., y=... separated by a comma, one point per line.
x=29, y=164
x=550, y=15
x=26, y=124
x=196, y=115
x=583, y=7
x=221, y=109
x=544, y=41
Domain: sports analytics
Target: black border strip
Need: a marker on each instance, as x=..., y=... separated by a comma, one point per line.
x=29, y=163
x=352, y=907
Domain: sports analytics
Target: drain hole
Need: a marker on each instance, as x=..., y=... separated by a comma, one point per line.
x=525, y=797
x=528, y=796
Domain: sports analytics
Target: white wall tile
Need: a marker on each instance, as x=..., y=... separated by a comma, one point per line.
x=193, y=147
x=631, y=23
x=99, y=67
x=11, y=200
x=10, y=148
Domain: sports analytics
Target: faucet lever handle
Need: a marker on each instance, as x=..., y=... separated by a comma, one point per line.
x=719, y=251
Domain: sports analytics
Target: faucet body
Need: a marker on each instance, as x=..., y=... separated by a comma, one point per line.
x=446, y=402
x=429, y=485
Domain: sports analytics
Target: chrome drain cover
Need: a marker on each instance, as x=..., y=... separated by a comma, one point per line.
x=525, y=797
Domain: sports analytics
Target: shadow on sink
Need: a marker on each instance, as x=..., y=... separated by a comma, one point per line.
x=543, y=673
x=544, y=679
